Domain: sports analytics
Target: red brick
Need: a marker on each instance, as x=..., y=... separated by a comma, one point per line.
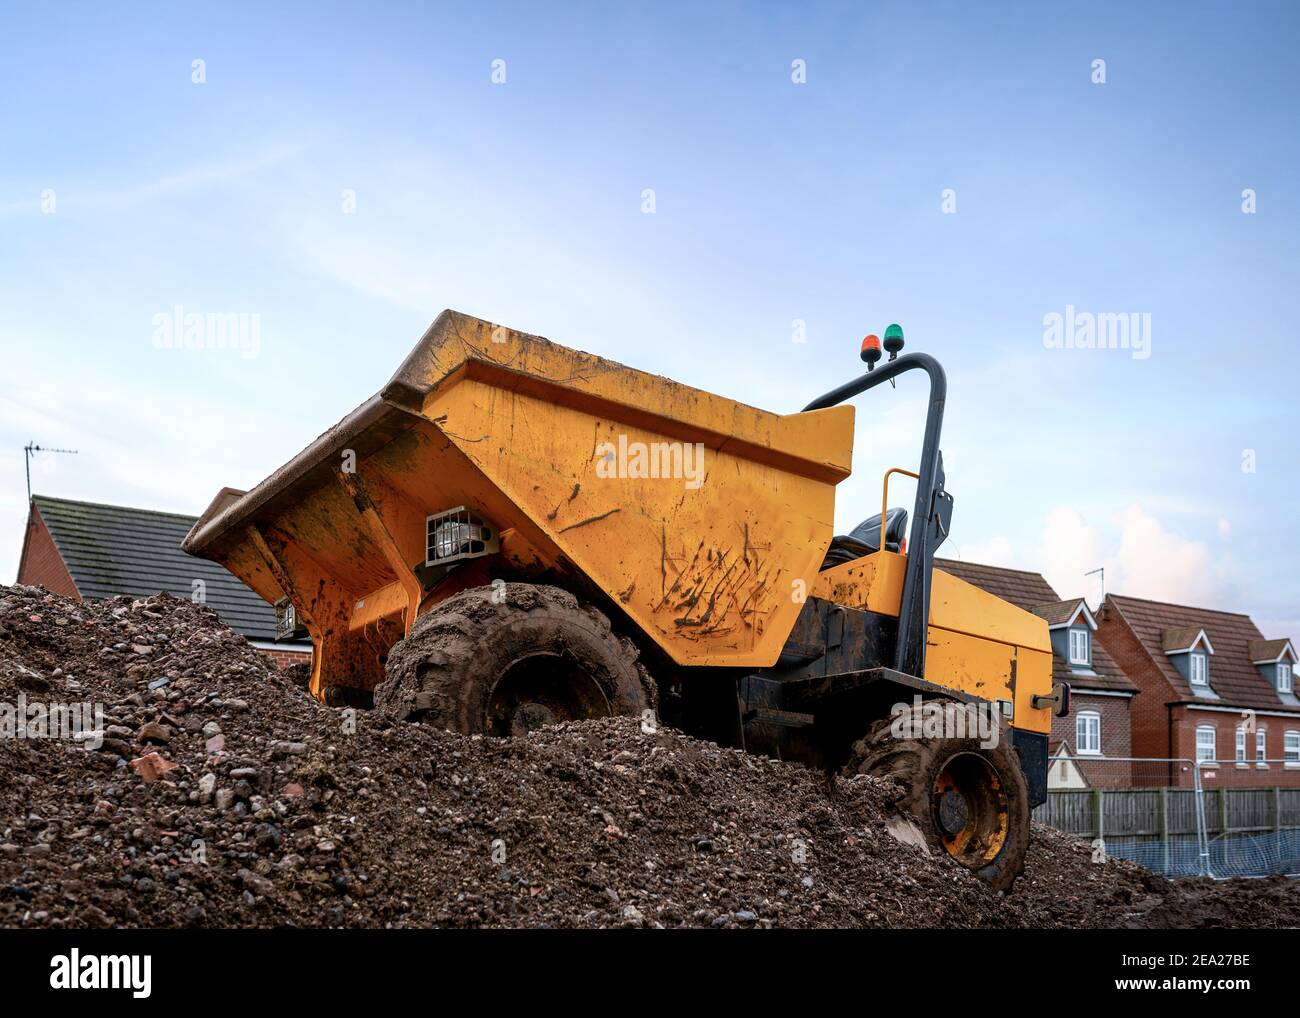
x=41, y=564
x=282, y=659
x=1115, y=738
x=1163, y=728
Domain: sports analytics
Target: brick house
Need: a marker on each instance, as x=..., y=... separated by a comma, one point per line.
x=1210, y=688
x=1098, y=723
x=84, y=550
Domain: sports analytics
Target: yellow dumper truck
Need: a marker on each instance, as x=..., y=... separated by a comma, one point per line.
x=513, y=533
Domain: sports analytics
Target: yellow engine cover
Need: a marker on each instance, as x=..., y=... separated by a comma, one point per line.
x=977, y=643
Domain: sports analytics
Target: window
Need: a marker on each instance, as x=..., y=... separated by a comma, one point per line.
x=1291, y=748
x=1087, y=732
x=1200, y=669
x=1079, y=647
x=1284, y=678
x=1241, y=745
x=1261, y=746
x=1206, y=750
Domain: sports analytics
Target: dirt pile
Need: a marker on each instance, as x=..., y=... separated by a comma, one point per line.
x=221, y=795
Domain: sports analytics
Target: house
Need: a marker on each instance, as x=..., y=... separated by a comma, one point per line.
x=1211, y=688
x=1101, y=694
x=84, y=550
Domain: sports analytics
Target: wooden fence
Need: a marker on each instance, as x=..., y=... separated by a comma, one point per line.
x=1166, y=812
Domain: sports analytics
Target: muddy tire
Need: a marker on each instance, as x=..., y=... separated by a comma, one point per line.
x=970, y=802
x=507, y=659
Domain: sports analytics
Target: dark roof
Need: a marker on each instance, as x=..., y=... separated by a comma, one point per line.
x=1267, y=650
x=1023, y=589
x=1032, y=593
x=1058, y=613
x=1183, y=638
x=111, y=550
x=1233, y=675
x=1108, y=677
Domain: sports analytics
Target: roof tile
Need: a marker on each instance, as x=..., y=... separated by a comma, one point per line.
x=1058, y=613
x=1267, y=650
x=1233, y=675
x=1182, y=638
x=111, y=550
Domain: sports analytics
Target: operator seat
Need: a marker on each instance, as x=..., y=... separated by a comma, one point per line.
x=865, y=538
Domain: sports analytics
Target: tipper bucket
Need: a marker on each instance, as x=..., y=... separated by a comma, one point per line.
x=495, y=453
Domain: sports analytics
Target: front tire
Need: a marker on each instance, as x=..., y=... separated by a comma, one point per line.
x=506, y=659
x=970, y=801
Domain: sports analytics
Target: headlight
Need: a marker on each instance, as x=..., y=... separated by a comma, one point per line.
x=457, y=539
x=457, y=534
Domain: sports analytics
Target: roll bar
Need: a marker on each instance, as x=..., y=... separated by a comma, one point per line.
x=932, y=515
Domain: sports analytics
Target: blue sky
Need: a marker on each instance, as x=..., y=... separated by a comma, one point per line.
x=774, y=201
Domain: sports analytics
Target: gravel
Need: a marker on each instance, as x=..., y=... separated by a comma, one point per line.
x=222, y=795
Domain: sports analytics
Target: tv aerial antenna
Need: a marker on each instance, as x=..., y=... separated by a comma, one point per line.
x=30, y=450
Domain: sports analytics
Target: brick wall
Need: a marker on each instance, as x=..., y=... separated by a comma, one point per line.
x=1115, y=737
x=284, y=658
x=41, y=565
x=1148, y=715
x=1229, y=774
x=1161, y=728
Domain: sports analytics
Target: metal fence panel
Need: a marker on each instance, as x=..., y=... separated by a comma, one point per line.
x=1175, y=856
x=1157, y=813
x=1255, y=854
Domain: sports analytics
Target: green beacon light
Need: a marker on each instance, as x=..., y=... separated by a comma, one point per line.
x=894, y=340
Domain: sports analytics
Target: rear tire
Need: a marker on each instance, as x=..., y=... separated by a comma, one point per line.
x=506, y=659
x=970, y=802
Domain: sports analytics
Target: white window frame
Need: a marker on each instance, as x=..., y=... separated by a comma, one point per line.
x=1084, y=638
x=1291, y=748
x=1241, y=746
x=1284, y=678
x=1199, y=664
x=1087, y=738
x=1213, y=747
x=1261, y=747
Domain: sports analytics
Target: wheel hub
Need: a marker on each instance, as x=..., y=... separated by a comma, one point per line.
x=971, y=809
x=952, y=813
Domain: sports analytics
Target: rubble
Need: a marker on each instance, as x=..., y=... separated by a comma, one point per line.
x=220, y=794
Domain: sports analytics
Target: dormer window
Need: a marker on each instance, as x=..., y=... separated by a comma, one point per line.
x=1071, y=626
x=1080, y=647
x=1189, y=651
x=1275, y=660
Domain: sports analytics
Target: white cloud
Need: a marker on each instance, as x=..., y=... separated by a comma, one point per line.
x=1070, y=548
x=1141, y=558
x=1155, y=563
